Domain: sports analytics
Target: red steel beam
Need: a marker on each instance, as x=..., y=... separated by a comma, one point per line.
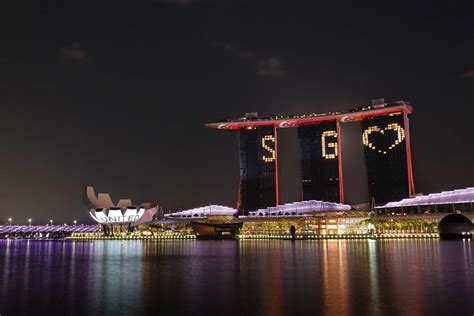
x=411, y=181
x=339, y=162
x=294, y=122
x=277, y=190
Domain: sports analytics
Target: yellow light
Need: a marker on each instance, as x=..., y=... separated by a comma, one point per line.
x=268, y=148
x=394, y=127
x=329, y=145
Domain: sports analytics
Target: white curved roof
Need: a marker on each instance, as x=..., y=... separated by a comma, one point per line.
x=122, y=215
x=299, y=208
x=445, y=197
x=211, y=210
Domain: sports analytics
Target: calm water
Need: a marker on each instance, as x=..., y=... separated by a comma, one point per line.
x=406, y=277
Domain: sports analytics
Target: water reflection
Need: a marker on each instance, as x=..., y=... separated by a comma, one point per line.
x=236, y=278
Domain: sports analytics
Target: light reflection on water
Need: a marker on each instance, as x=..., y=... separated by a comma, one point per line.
x=408, y=277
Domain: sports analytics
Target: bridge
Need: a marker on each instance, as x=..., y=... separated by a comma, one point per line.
x=48, y=231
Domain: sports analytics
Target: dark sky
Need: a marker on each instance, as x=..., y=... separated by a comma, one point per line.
x=115, y=94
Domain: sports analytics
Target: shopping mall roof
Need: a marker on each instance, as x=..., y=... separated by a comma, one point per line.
x=205, y=211
x=300, y=208
x=445, y=197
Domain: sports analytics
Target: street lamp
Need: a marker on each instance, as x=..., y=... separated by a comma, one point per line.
x=51, y=222
x=75, y=222
x=29, y=220
x=10, y=221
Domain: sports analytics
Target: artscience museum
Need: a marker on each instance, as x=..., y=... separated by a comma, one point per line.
x=118, y=217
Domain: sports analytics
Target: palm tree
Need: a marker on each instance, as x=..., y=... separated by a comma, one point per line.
x=398, y=225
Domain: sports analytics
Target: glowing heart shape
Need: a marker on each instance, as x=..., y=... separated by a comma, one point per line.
x=395, y=127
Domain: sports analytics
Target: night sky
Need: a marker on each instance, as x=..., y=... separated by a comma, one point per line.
x=116, y=94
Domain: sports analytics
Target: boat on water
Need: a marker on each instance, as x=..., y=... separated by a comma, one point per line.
x=216, y=231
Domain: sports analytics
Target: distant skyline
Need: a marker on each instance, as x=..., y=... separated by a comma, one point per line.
x=117, y=95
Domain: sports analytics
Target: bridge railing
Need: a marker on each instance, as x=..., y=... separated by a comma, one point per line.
x=21, y=229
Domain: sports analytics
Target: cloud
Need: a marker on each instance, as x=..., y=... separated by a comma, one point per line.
x=468, y=74
x=270, y=67
x=234, y=49
x=74, y=52
x=265, y=67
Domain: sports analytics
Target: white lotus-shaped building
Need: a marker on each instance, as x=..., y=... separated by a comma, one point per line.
x=117, y=215
x=104, y=211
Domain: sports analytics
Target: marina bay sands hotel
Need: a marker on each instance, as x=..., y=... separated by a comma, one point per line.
x=385, y=134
